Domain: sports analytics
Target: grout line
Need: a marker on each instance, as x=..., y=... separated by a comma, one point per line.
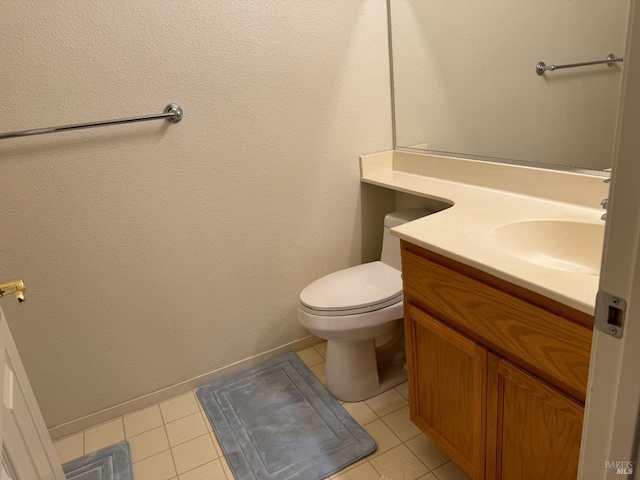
x=126, y=436
x=198, y=466
x=179, y=396
x=157, y=453
x=375, y=469
x=194, y=438
x=224, y=470
x=212, y=436
x=205, y=463
x=164, y=425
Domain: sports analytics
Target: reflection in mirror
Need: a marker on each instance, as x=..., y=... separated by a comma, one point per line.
x=465, y=81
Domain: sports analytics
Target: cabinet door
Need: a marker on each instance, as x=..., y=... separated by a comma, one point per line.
x=533, y=430
x=448, y=395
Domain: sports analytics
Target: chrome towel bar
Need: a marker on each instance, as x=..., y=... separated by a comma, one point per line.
x=541, y=67
x=172, y=113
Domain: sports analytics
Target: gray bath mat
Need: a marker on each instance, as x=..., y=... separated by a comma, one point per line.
x=110, y=463
x=276, y=421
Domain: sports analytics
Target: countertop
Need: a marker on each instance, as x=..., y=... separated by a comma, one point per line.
x=462, y=231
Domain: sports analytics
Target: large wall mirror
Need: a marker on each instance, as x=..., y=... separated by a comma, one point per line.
x=465, y=82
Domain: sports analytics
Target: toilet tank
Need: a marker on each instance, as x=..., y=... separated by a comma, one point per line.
x=390, y=244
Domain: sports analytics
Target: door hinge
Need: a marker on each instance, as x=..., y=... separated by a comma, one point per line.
x=610, y=314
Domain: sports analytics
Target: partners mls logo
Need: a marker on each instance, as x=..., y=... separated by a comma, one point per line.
x=619, y=468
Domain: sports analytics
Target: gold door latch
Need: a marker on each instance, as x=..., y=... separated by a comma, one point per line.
x=14, y=286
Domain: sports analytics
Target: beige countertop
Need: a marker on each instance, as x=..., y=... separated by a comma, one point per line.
x=485, y=196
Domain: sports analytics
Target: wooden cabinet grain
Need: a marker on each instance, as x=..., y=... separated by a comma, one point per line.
x=497, y=374
x=454, y=414
x=533, y=430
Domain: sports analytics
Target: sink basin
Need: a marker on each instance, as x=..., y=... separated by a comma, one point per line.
x=559, y=244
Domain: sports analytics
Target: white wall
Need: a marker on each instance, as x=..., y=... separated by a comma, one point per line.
x=154, y=253
x=465, y=81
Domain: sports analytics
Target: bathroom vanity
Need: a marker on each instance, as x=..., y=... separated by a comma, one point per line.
x=499, y=291
x=497, y=374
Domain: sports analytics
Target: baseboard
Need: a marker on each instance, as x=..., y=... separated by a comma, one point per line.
x=93, y=419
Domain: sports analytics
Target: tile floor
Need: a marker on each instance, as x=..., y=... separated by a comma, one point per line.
x=174, y=441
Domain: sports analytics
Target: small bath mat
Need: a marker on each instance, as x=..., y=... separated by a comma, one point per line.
x=276, y=421
x=110, y=463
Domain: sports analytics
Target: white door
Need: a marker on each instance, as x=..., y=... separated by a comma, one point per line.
x=27, y=450
x=611, y=432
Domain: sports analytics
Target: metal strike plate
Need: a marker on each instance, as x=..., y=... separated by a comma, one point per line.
x=610, y=314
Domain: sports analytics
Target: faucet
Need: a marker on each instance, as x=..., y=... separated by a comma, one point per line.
x=605, y=202
x=14, y=286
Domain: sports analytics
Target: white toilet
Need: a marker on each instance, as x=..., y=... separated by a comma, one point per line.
x=359, y=312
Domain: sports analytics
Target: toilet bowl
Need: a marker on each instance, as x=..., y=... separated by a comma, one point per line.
x=359, y=312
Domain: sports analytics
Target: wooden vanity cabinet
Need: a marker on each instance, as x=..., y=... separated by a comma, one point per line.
x=533, y=430
x=449, y=406
x=497, y=374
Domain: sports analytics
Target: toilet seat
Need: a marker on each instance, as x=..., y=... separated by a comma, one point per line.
x=356, y=290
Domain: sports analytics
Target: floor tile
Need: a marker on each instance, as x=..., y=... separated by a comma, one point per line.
x=399, y=464
x=450, y=471
x=360, y=411
x=200, y=407
x=427, y=451
x=103, y=435
x=387, y=402
x=185, y=429
x=148, y=444
x=401, y=425
x=70, y=448
x=349, y=467
x=403, y=389
x=195, y=394
x=216, y=444
x=207, y=422
x=158, y=467
x=321, y=348
x=318, y=371
x=310, y=357
x=383, y=436
x=179, y=407
x=362, y=472
x=208, y=471
x=142, y=421
x=194, y=453
x=428, y=476
x=226, y=468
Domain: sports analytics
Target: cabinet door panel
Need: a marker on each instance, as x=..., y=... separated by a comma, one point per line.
x=533, y=430
x=448, y=390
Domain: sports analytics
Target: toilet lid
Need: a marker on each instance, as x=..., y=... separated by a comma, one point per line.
x=357, y=289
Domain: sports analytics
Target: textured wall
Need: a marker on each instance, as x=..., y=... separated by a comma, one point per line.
x=154, y=253
x=465, y=77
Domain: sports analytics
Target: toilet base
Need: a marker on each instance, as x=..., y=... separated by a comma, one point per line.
x=353, y=373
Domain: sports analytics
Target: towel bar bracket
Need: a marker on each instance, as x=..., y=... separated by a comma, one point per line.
x=176, y=110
